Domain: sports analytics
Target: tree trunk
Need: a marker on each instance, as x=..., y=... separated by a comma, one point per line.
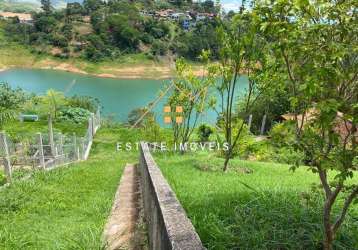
x=226, y=163
x=328, y=239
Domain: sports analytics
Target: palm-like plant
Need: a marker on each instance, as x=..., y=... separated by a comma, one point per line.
x=6, y=115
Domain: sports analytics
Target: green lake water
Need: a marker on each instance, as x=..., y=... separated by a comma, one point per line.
x=117, y=96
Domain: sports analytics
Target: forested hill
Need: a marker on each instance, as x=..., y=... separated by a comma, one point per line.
x=96, y=30
x=31, y=5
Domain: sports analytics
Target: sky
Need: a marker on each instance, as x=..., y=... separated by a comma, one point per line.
x=230, y=4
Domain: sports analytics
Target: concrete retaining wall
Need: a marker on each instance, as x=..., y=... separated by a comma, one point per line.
x=168, y=225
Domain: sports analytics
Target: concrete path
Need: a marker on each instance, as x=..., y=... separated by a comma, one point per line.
x=122, y=230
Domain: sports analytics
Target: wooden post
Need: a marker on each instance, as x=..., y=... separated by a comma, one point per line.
x=7, y=160
x=41, y=151
x=263, y=125
x=50, y=135
x=250, y=122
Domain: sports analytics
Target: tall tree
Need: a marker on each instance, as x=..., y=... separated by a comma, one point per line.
x=239, y=52
x=46, y=6
x=312, y=47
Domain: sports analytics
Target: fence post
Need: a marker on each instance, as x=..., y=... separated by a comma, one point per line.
x=92, y=125
x=250, y=121
x=61, y=145
x=75, y=151
x=263, y=125
x=99, y=116
x=90, y=128
x=7, y=160
x=41, y=151
x=83, y=149
x=50, y=135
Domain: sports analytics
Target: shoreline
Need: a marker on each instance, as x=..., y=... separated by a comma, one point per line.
x=123, y=75
x=154, y=72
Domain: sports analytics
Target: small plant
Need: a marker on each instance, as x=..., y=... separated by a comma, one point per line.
x=204, y=132
x=2, y=179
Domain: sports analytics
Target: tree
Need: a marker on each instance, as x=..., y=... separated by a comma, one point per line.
x=92, y=5
x=190, y=96
x=45, y=24
x=140, y=116
x=239, y=53
x=121, y=31
x=46, y=6
x=10, y=102
x=190, y=44
x=312, y=47
x=52, y=102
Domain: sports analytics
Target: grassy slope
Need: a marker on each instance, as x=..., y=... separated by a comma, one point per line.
x=65, y=208
x=262, y=210
x=19, y=130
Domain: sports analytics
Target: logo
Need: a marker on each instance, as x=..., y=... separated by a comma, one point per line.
x=168, y=114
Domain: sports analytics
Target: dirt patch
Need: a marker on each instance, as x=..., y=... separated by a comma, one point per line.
x=69, y=68
x=124, y=229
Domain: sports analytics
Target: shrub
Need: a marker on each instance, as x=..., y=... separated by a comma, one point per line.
x=283, y=134
x=204, y=132
x=2, y=178
x=77, y=115
x=85, y=102
x=159, y=48
x=136, y=114
x=287, y=155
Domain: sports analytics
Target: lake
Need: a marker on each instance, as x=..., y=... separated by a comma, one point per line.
x=117, y=96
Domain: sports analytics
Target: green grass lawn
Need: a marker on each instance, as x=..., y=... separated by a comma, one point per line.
x=270, y=208
x=20, y=130
x=65, y=208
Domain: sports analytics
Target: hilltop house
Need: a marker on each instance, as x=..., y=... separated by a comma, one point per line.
x=23, y=17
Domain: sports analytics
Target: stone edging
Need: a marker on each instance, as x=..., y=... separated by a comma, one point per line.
x=167, y=223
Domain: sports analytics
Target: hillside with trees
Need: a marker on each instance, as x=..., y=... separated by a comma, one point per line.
x=97, y=30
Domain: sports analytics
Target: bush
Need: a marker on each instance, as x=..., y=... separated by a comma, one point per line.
x=287, y=155
x=59, y=40
x=85, y=102
x=204, y=132
x=283, y=134
x=76, y=115
x=2, y=179
x=159, y=48
x=11, y=98
x=136, y=114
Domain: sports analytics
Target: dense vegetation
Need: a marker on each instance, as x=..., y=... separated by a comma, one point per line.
x=97, y=30
x=75, y=109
